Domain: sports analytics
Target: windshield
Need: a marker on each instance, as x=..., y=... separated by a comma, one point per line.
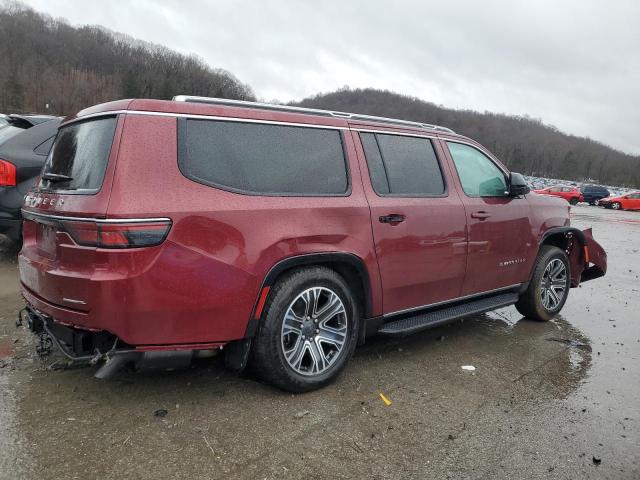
x=79, y=157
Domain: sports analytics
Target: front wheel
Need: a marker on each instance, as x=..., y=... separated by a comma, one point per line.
x=547, y=292
x=573, y=201
x=308, y=331
x=616, y=206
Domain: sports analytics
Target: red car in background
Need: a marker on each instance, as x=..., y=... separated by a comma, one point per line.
x=570, y=194
x=629, y=201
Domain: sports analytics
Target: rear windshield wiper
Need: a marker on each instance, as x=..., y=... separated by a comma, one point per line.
x=56, y=177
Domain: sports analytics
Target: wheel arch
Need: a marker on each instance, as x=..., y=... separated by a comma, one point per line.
x=563, y=238
x=349, y=265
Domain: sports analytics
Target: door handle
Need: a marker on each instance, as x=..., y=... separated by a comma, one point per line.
x=480, y=215
x=393, y=218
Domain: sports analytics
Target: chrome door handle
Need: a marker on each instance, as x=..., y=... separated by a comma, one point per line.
x=393, y=218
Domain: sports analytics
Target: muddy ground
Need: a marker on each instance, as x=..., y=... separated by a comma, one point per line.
x=548, y=400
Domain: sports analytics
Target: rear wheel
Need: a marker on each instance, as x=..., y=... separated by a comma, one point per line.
x=547, y=292
x=573, y=201
x=308, y=332
x=616, y=206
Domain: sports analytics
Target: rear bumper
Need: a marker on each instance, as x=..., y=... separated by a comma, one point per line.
x=166, y=296
x=76, y=344
x=85, y=346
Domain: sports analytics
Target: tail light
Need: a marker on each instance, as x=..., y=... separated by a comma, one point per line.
x=7, y=174
x=102, y=234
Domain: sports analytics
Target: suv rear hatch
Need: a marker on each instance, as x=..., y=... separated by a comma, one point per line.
x=59, y=254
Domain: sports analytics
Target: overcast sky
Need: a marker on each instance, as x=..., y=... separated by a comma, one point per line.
x=574, y=64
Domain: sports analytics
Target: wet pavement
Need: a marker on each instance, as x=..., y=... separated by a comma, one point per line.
x=547, y=400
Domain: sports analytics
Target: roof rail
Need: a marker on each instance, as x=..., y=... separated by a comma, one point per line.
x=308, y=111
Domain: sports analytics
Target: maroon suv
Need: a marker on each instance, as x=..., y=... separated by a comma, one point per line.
x=282, y=236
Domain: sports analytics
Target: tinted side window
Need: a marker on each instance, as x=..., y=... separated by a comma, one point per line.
x=263, y=159
x=402, y=165
x=478, y=174
x=374, y=162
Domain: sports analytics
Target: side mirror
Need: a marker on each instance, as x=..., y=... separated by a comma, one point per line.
x=517, y=185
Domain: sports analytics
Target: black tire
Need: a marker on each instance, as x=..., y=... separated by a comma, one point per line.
x=573, y=201
x=531, y=303
x=616, y=206
x=267, y=356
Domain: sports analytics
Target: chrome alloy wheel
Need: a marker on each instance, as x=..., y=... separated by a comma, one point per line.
x=553, y=285
x=314, y=331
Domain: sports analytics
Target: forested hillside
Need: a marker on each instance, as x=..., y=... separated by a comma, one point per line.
x=46, y=61
x=525, y=145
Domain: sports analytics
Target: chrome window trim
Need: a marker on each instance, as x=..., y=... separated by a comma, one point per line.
x=452, y=300
x=254, y=120
x=28, y=213
x=391, y=132
x=203, y=117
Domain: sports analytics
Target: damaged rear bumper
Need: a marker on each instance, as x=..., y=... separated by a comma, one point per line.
x=92, y=347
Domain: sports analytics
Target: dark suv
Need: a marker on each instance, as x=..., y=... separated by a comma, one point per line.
x=592, y=194
x=25, y=142
x=282, y=235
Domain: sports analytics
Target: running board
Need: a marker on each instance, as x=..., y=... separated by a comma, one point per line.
x=442, y=315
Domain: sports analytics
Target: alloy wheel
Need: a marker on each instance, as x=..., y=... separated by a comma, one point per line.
x=314, y=331
x=553, y=285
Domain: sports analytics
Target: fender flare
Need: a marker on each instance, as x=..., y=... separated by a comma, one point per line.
x=311, y=259
x=556, y=230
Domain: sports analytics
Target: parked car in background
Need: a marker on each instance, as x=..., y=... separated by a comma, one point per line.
x=4, y=120
x=160, y=228
x=570, y=194
x=593, y=193
x=24, y=145
x=628, y=201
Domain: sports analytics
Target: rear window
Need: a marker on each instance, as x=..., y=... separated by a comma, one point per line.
x=81, y=152
x=263, y=159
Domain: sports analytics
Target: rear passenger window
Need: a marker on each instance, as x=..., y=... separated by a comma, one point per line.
x=401, y=165
x=263, y=159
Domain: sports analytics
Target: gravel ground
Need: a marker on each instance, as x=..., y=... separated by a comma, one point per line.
x=547, y=400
